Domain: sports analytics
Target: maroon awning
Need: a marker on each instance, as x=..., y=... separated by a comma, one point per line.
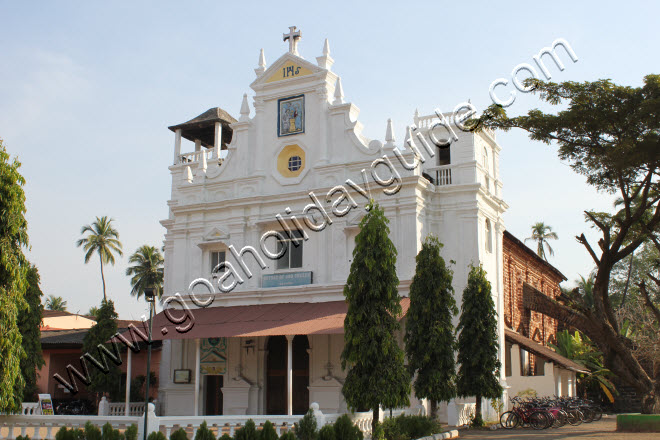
x=323, y=318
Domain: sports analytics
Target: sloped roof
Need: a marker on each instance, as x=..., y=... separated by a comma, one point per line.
x=543, y=351
x=323, y=318
x=533, y=254
x=202, y=127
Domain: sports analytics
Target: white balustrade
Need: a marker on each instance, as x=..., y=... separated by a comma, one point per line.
x=40, y=427
x=195, y=156
x=442, y=175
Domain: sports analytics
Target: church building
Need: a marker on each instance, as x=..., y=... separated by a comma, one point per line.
x=263, y=216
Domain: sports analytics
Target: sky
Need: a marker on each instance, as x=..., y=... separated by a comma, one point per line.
x=87, y=91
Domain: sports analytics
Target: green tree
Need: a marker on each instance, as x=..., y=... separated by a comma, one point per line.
x=429, y=335
x=375, y=363
x=578, y=348
x=93, y=312
x=478, y=374
x=56, y=303
x=147, y=270
x=541, y=233
x=28, y=323
x=103, y=239
x=611, y=135
x=104, y=380
x=13, y=280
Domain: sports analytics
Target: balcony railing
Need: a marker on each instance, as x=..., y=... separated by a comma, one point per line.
x=196, y=156
x=441, y=175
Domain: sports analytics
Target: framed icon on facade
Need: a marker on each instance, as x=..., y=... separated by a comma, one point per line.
x=291, y=115
x=181, y=376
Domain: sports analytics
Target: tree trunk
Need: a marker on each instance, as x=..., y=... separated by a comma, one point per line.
x=375, y=419
x=618, y=357
x=477, y=411
x=102, y=278
x=434, y=409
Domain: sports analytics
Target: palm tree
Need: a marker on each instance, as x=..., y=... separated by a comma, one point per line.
x=586, y=287
x=102, y=239
x=93, y=312
x=55, y=303
x=541, y=233
x=147, y=270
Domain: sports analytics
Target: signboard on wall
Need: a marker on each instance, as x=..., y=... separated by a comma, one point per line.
x=46, y=405
x=287, y=279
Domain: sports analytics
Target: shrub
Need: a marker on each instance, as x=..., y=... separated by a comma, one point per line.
x=179, y=434
x=248, y=432
x=326, y=433
x=268, y=432
x=344, y=429
x=409, y=427
x=92, y=432
x=289, y=435
x=69, y=434
x=156, y=435
x=131, y=432
x=305, y=429
x=109, y=433
x=204, y=433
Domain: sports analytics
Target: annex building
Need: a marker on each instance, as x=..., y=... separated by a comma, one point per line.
x=263, y=216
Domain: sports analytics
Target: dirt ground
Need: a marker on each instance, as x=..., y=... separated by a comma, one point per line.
x=605, y=429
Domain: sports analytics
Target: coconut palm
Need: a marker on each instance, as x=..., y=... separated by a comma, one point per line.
x=147, y=270
x=102, y=238
x=541, y=233
x=586, y=287
x=55, y=303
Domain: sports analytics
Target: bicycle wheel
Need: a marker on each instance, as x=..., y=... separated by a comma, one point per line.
x=589, y=414
x=538, y=420
x=574, y=417
x=509, y=420
x=598, y=413
x=561, y=418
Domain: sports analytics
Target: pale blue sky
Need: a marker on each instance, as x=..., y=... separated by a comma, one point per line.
x=87, y=91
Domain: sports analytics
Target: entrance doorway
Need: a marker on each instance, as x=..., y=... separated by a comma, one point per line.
x=213, y=391
x=276, y=366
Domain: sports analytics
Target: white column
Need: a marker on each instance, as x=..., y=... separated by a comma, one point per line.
x=129, y=362
x=177, y=145
x=197, y=370
x=217, y=143
x=289, y=375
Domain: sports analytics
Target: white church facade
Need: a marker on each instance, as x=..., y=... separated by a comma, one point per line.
x=266, y=208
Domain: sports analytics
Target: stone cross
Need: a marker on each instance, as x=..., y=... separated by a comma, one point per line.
x=293, y=36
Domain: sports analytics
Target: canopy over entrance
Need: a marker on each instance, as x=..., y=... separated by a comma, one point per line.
x=324, y=318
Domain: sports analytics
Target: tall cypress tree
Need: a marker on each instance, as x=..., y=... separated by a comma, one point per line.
x=376, y=371
x=106, y=327
x=478, y=374
x=13, y=273
x=28, y=324
x=429, y=329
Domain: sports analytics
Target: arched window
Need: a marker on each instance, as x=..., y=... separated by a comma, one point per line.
x=489, y=236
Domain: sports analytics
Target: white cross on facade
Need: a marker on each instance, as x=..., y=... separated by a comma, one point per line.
x=293, y=36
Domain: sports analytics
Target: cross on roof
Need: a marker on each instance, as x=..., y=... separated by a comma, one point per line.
x=293, y=36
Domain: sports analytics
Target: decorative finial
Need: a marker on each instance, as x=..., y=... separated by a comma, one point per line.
x=389, y=134
x=325, y=61
x=293, y=36
x=245, y=109
x=262, y=64
x=339, y=93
